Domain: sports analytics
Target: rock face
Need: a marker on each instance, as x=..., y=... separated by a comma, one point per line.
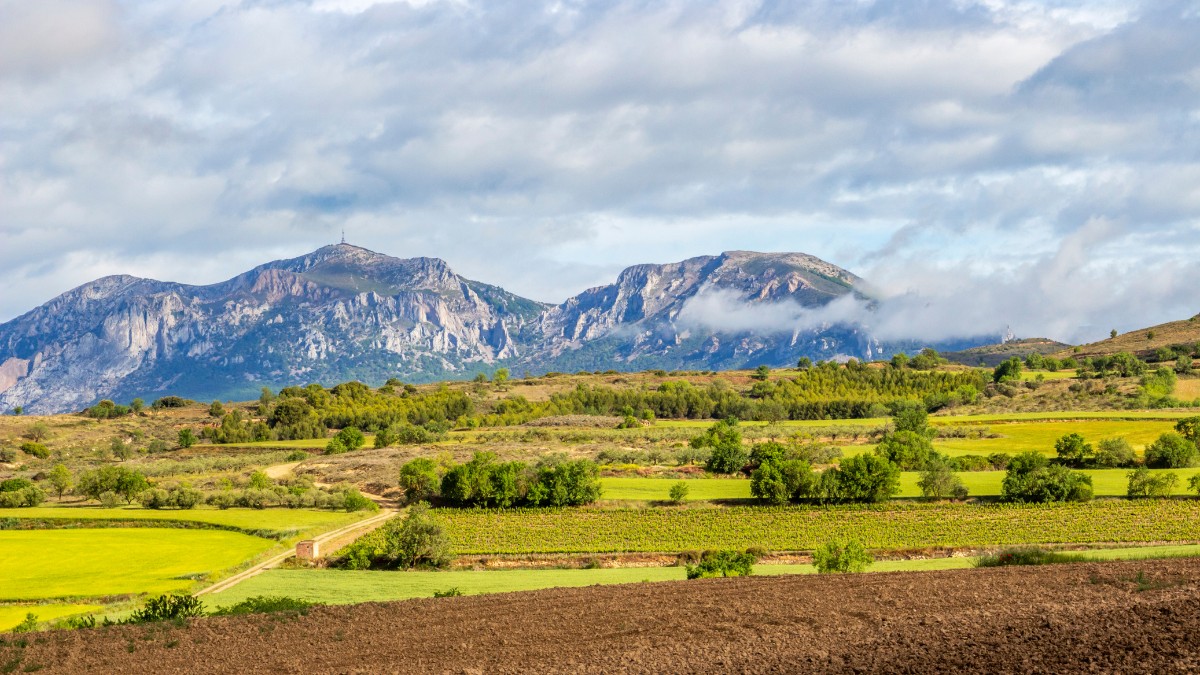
x=343, y=312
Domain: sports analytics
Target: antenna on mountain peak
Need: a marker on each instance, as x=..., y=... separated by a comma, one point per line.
x=343, y=235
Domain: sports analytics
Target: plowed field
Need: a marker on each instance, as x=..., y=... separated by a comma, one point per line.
x=1113, y=617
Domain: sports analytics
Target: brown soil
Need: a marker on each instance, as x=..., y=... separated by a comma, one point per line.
x=1112, y=617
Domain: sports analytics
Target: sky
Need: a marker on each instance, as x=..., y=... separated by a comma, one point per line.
x=982, y=164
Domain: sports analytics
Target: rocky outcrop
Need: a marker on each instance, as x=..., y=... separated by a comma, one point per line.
x=343, y=312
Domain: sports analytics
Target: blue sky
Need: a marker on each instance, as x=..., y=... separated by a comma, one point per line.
x=982, y=163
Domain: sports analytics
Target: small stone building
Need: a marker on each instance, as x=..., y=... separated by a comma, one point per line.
x=307, y=550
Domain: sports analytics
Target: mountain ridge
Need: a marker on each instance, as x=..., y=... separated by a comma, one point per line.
x=344, y=312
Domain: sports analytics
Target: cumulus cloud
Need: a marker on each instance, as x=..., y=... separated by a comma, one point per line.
x=927, y=146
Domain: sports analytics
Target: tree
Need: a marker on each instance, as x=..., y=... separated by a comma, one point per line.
x=679, y=492
x=216, y=410
x=418, y=542
x=1073, y=449
x=1143, y=484
x=500, y=377
x=804, y=363
x=767, y=483
x=1031, y=478
x=137, y=405
x=899, y=361
x=723, y=564
x=1114, y=453
x=866, y=478
x=35, y=449
x=725, y=439
x=834, y=557
x=419, y=480
x=60, y=480
x=761, y=373
x=1112, y=333
x=348, y=439
x=911, y=417
x=1007, y=371
x=1189, y=428
x=118, y=480
x=939, y=482
x=37, y=432
x=187, y=438
x=908, y=450
x=259, y=480
x=1171, y=451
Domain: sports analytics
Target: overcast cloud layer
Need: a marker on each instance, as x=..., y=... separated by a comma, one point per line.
x=986, y=163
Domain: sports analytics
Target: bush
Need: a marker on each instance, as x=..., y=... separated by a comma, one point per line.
x=419, y=480
x=679, y=492
x=1114, y=453
x=353, y=500
x=24, y=497
x=864, y=478
x=1022, y=555
x=127, y=483
x=723, y=564
x=416, y=540
x=939, y=482
x=451, y=592
x=1072, y=449
x=170, y=607
x=1143, y=484
x=836, y=557
x=725, y=440
x=35, y=449
x=1171, y=451
x=266, y=604
x=1030, y=478
x=909, y=450
x=109, y=499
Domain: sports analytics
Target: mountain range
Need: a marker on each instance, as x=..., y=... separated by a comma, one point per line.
x=343, y=312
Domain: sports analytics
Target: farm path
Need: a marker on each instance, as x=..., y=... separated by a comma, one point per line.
x=280, y=470
x=328, y=540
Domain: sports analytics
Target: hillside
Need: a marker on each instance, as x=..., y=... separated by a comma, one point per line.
x=345, y=313
x=1142, y=342
x=992, y=355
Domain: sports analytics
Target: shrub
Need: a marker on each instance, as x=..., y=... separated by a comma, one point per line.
x=169, y=607
x=416, y=540
x=28, y=625
x=451, y=592
x=1114, y=453
x=24, y=497
x=725, y=440
x=109, y=499
x=939, y=482
x=909, y=450
x=1171, y=451
x=836, y=557
x=353, y=500
x=1022, y=555
x=169, y=402
x=1143, y=483
x=265, y=604
x=15, y=484
x=7, y=455
x=723, y=564
x=419, y=480
x=1030, y=478
x=1073, y=449
x=679, y=492
x=296, y=456
x=864, y=478
x=35, y=449
x=350, y=438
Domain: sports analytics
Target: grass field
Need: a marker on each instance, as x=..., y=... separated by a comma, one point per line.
x=89, y=563
x=1040, y=436
x=344, y=587
x=792, y=528
x=297, y=521
x=12, y=615
x=1047, y=375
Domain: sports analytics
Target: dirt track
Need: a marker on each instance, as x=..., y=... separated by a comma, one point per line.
x=1061, y=618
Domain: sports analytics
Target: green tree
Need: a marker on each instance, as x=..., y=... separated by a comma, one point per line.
x=1143, y=483
x=909, y=450
x=1007, y=371
x=1073, y=449
x=1112, y=333
x=418, y=542
x=60, y=480
x=723, y=564
x=835, y=557
x=725, y=439
x=187, y=438
x=679, y=492
x=1171, y=451
x=937, y=481
x=1031, y=478
x=419, y=479
x=1114, y=453
x=37, y=432
x=1189, y=428
x=500, y=378
x=137, y=405
x=866, y=478
x=761, y=373
x=804, y=363
x=216, y=410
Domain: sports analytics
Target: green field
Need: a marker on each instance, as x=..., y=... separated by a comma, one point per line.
x=344, y=587
x=12, y=615
x=791, y=528
x=1028, y=375
x=292, y=522
x=88, y=563
x=1018, y=437
x=659, y=489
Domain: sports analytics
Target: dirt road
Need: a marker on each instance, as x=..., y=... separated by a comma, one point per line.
x=1113, y=617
